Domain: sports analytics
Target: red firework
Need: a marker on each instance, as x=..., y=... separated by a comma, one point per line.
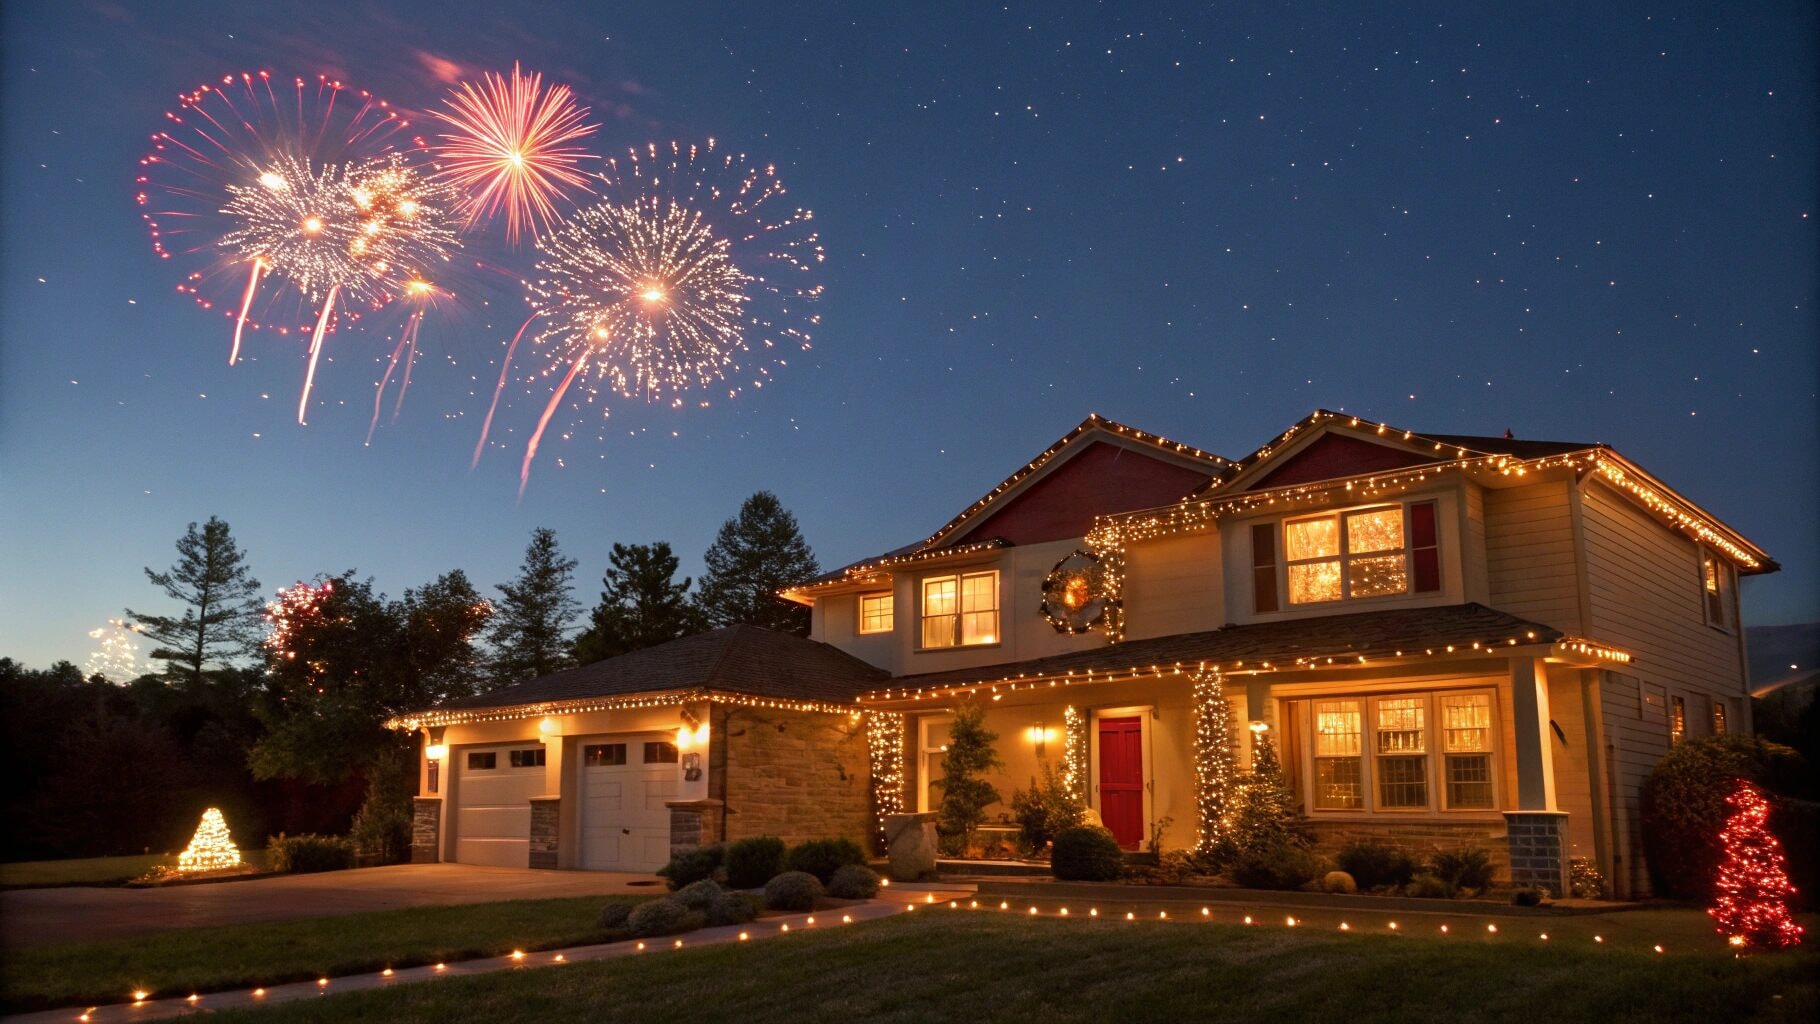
x=511, y=148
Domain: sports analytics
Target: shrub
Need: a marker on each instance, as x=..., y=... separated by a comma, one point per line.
x=701, y=895
x=1376, y=864
x=965, y=796
x=793, y=890
x=1338, y=881
x=1431, y=887
x=733, y=908
x=1683, y=806
x=853, y=882
x=1466, y=868
x=613, y=917
x=381, y=832
x=714, y=904
x=662, y=917
x=1584, y=882
x=1085, y=853
x=1287, y=865
x=1528, y=896
x=692, y=865
x=306, y=853
x=823, y=857
x=1044, y=810
x=753, y=862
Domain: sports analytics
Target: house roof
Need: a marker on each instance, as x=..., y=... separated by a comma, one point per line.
x=1295, y=643
x=733, y=659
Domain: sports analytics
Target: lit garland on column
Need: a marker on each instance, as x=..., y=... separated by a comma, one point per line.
x=1753, y=886
x=1074, y=753
x=885, y=745
x=212, y=848
x=1215, y=766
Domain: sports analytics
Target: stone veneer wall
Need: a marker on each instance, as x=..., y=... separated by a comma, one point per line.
x=1420, y=838
x=1537, y=842
x=793, y=774
x=426, y=830
x=546, y=825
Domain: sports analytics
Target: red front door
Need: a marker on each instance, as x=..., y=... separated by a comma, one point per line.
x=1122, y=779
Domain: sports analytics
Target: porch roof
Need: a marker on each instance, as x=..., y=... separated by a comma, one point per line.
x=1336, y=640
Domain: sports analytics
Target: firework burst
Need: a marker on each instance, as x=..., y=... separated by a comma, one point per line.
x=116, y=655
x=297, y=606
x=693, y=272
x=511, y=146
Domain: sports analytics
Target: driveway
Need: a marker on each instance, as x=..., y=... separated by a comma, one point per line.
x=30, y=917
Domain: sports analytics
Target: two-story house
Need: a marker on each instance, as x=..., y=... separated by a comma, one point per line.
x=1452, y=640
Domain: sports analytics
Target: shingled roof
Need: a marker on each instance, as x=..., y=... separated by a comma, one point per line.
x=733, y=659
x=1372, y=635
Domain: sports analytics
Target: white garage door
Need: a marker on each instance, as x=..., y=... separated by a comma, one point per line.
x=493, y=790
x=625, y=781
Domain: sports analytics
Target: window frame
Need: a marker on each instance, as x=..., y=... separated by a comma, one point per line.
x=1677, y=719
x=925, y=800
x=1716, y=594
x=1720, y=713
x=961, y=610
x=1410, y=551
x=661, y=748
x=1434, y=753
x=890, y=616
x=538, y=756
x=605, y=761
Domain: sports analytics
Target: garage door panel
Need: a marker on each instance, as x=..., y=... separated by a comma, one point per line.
x=625, y=823
x=492, y=813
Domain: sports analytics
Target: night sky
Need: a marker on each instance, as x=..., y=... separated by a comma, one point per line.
x=1590, y=222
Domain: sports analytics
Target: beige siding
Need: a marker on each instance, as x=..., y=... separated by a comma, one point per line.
x=1172, y=585
x=1472, y=546
x=1529, y=553
x=1573, y=781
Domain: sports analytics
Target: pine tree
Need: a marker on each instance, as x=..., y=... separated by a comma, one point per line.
x=965, y=796
x=531, y=619
x=642, y=605
x=220, y=599
x=755, y=555
x=1215, y=765
x=441, y=620
x=1264, y=814
x=1753, y=887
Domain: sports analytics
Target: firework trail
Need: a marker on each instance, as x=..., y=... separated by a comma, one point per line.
x=524, y=469
x=504, y=370
x=693, y=264
x=511, y=147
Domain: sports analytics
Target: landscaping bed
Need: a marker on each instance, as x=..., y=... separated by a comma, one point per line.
x=210, y=959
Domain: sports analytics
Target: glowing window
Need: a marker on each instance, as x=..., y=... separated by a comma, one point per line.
x=960, y=610
x=1338, y=745
x=1714, y=582
x=1466, y=749
x=1677, y=719
x=1361, y=554
x=875, y=614
x=1402, y=746
x=1718, y=718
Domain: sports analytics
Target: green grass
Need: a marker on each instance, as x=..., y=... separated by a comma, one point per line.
x=210, y=959
x=984, y=968
x=34, y=874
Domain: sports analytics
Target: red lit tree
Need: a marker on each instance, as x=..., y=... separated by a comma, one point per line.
x=1753, y=886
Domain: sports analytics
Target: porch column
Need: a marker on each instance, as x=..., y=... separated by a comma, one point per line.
x=1535, y=757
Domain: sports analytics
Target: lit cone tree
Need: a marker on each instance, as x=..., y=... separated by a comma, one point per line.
x=211, y=848
x=1753, y=886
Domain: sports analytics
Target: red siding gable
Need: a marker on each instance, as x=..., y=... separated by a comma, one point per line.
x=1336, y=455
x=1100, y=479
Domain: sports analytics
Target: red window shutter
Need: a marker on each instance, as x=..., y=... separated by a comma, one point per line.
x=1424, y=547
x=1264, y=566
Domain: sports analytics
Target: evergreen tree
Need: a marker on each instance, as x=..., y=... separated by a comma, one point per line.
x=531, y=619
x=441, y=621
x=755, y=555
x=1264, y=813
x=220, y=600
x=965, y=796
x=642, y=605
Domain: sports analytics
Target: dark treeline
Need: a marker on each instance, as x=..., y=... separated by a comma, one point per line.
x=281, y=726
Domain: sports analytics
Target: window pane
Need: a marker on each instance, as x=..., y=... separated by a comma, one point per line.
x=1312, y=538
x=1313, y=582
x=528, y=758
x=1402, y=781
x=979, y=592
x=482, y=762
x=1677, y=719
x=941, y=601
x=875, y=613
x=604, y=755
x=979, y=628
x=1401, y=724
x=1380, y=529
x=1466, y=723
x=1336, y=728
x=1469, y=780
x=660, y=753
x=1377, y=575
x=935, y=736
x=938, y=596
x=1709, y=568
x=1336, y=783
x=1718, y=719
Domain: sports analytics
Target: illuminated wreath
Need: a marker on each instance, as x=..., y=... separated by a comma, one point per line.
x=1077, y=594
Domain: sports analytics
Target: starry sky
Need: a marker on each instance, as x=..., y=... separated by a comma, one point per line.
x=1590, y=222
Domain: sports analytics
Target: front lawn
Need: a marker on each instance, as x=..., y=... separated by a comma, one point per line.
x=34, y=874
x=984, y=967
x=234, y=956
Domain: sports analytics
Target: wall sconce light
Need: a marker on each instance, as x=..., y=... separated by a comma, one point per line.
x=1039, y=735
x=1259, y=728
x=434, y=753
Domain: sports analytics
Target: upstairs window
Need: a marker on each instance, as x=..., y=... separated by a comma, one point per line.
x=1363, y=553
x=1677, y=720
x=1715, y=584
x=875, y=613
x=1718, y=717
x=960, y=610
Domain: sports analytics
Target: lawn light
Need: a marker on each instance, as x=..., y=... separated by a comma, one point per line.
x=444, y=967
x=386, y=973
x=1393, y=926
x=1206, y=913
x=1544, y=936
x=560, y=958
x=322, y=983
x=259, y=993
x=678, y=944
x=1598, y=938
x=1659, y=948
x=139, y=996
x=743, y=936
x=846, y=919
x=1064, y=911
x=1032, y=911
x=811, y=920
x=1492, y=928
x=1290, y=921
x=1129, y=916
x=1093, y=912
x=1443, y=929
x=518, y=954
x=1247, y=918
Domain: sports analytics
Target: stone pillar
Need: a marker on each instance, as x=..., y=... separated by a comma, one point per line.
x=910, y=838
x=546, y=830
x=1538, y=850
x=694, y=823
x=426, y=830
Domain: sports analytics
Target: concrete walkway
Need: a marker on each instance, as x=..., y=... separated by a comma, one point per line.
x=34, y=917
x=898, y=899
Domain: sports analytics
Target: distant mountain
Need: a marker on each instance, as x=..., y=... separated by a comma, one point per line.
x=1782, y=656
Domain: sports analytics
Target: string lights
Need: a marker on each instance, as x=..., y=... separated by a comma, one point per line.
x=1751, y=908
x=439, y=717
x=885, y=732
x=211, y=848
x=1215, y=765
x=1074, y=754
